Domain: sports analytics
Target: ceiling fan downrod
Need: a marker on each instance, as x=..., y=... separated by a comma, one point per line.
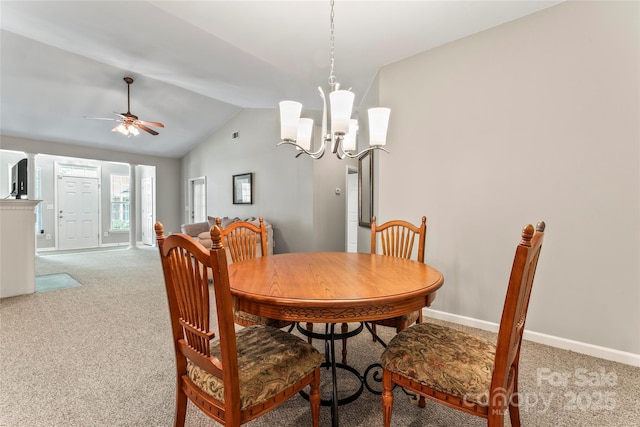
x=128, y=80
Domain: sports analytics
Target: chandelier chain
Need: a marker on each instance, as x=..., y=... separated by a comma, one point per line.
x=332, y=77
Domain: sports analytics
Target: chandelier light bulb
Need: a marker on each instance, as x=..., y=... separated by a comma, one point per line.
x=305, y=132
x=289, y=119
x=378, y=124
x=349, y=142
x=122, y=129
x=341, y=102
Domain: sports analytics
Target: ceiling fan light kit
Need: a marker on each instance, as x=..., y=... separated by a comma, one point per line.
x=129, y=123
x=298, y=131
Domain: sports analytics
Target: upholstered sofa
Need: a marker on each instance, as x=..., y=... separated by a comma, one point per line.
x=201, y=230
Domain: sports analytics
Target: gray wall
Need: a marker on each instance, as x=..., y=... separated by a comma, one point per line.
x=167, y=173
x=534, y=119
x=305, y=211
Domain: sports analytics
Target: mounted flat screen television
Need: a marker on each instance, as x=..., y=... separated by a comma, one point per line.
x=19, y=179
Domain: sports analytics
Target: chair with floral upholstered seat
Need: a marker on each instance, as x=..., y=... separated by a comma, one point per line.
x=240, y=375
x=246, y=240
x=461, y=370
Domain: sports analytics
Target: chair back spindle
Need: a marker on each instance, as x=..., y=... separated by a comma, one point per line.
x=397, y=238
x=244, y=239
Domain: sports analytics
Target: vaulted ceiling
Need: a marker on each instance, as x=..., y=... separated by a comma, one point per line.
x=198, y=63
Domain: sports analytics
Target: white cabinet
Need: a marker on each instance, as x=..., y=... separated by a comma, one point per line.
x=17, y=247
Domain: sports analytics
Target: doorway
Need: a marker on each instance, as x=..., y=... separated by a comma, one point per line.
x=78, y=216
x=352, y=209
x=198, y=199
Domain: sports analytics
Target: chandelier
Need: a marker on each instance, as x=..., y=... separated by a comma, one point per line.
x=340, y=138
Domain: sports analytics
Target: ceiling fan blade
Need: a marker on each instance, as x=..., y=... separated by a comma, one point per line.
x=146, y=123
x=100, y=118
x=144, y=128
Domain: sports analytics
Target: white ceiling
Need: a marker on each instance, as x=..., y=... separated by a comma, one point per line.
x=197, y=63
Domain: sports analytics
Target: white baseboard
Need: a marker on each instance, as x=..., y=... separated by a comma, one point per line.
x=553, y=341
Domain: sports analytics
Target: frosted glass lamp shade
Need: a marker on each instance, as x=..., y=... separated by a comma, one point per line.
x=305, y=131
x=349, y=141
x=122, y=129
x=289, y=119
x=341, y=107
x=134, y=130
x=378, y=124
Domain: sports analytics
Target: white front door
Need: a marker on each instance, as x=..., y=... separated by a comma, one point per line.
x=146, y=211
x=78, y=217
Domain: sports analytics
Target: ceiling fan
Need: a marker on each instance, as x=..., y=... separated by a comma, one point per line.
x=129, y=123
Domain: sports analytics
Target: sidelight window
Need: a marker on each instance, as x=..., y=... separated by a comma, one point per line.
x=119, y=202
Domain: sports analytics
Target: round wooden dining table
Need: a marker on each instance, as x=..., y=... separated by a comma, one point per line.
x=332, y=287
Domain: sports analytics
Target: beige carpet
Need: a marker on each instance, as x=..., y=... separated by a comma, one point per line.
x=101, y=355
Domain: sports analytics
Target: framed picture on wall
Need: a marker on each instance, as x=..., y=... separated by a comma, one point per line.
x=243, y=189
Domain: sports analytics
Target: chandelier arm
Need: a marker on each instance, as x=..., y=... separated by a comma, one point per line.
x=339, y=152
x=310, y=155
x=337, y=143
x=316, y=155
x=324, y=113
x=366, y=150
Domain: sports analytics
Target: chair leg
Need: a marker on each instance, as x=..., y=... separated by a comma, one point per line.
x=495, y=419
x=344, y=330
x=181, y=406
x=514, y=404
x=387, y=398
x=497, y=407
x=310, y=330
x=314, y=399
x=401, y=325
x=373, y=328
x=514, y=413
x=422, y=401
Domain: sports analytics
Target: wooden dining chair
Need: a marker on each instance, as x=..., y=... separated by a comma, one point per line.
x=245, y=240
x=240, y=375
x=398, y=238
x=461, y=370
